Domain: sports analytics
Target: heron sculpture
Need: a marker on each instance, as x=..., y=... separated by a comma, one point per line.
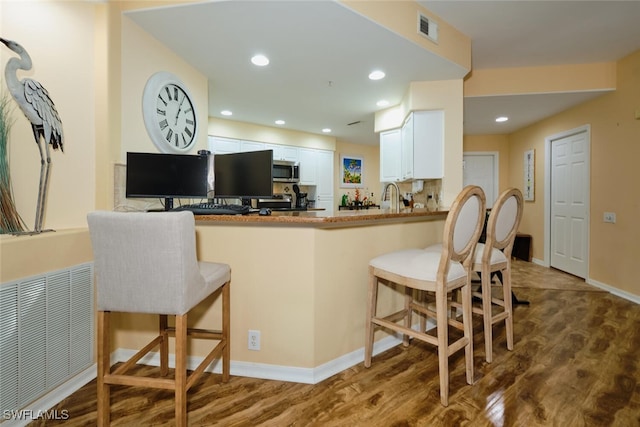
x=34, y=101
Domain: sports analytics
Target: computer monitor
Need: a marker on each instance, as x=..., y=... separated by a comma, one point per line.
x=244, y=175
x=151, y=175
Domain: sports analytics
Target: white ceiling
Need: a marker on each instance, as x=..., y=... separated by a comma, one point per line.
x=321, y=53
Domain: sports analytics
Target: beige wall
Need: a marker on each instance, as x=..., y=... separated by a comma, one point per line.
x=59, y=37
x=615, y=146
x=142, y=56
x=96, y=63
x=268, y=134
x=371, y=182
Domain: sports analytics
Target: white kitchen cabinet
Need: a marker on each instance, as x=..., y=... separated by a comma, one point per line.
x=218, y=145
x=308, y=159
x=422, y=145
x=406, y=149
x=324, y=180
x=316, y=166
x=246, y=146
x=283, y=152
x=390, y=155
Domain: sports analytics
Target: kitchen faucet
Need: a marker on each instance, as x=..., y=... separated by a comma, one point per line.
x=384, y=192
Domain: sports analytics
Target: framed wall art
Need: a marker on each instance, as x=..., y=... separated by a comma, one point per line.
x=529, y=175
x=351, y=171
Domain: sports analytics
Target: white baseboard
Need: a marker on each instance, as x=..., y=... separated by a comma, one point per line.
x=276, y=372
x=267, y=371
x=612, y=290
x=615, y=291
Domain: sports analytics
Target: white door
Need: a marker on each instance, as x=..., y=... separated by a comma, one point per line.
x=570, y=204
x=481, y=169
x=324, y=188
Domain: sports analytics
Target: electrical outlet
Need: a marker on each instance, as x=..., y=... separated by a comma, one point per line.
x=610, y=217
x=254, y=340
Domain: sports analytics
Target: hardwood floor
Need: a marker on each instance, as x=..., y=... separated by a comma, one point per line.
x=576, y=362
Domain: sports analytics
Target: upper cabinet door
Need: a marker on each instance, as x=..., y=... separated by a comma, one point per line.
x=219, y=145
x=390, y=153
x=308, y=166
x=428, y=144
x=246, y=146
x=423, y=146
x=406, y=160
x=283, y=152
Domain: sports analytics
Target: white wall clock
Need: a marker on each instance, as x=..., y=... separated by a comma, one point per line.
x=169, y=113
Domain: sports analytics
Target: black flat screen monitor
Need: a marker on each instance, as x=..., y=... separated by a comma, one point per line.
x=244, y=175
x=156, y=175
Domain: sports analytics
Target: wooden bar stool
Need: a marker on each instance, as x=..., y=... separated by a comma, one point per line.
x=436, y=270
x=494, y=256
x=146, y=263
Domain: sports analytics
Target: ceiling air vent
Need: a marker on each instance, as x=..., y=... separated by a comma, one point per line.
x=427, y=27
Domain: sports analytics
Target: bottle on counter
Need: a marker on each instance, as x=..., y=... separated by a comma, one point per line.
x=431, y=203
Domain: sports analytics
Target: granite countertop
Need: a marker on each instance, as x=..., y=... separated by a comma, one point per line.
x=327, y=218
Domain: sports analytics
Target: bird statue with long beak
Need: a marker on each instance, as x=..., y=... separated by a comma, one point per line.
x=34, y=101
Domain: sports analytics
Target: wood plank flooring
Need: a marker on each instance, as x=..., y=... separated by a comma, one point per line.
x=576, y=362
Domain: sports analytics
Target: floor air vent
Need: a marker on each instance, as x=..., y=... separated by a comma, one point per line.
x=46, y=333
x=427, y=27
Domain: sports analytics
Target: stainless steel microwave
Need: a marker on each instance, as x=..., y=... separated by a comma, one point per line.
x=285, y=171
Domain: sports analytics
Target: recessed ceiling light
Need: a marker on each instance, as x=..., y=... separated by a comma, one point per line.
x=260, y=60
x=501, y=119
x=326, y=130
x=279, y=122
x=226, y=112
x=382, y=103
x=377, y=75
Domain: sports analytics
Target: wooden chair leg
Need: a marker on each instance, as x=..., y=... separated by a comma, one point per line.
x=104, y=367
x=423, y=317
x=508, y=306
x=181, y=371
x=163, y=323
x=408, y=300
x=467, y=322
x=372, y=300
x=443, y=345
x=226, y=331
x=487, y=315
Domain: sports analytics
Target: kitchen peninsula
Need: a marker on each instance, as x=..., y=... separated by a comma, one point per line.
x=300, y=278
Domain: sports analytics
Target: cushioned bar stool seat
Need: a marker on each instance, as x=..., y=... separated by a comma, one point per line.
x=436, y=271
x=146, y=263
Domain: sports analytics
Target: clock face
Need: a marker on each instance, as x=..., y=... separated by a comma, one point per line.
x=169, y=114
x=175, y=117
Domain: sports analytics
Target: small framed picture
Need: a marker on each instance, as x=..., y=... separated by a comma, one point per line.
x=529, y=175
x=351, y=171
